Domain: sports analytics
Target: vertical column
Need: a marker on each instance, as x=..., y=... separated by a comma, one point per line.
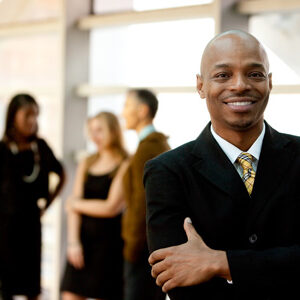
x=74, y=70
x=227, y=17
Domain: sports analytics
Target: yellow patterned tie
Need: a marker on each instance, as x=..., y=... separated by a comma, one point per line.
x=245, y=160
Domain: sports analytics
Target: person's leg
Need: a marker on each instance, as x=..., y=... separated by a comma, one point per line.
x=153, y=291
x=6, y=296
x=139, y=283
x=132, y=281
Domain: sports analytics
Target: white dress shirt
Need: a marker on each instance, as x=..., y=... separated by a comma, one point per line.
x=232, y=152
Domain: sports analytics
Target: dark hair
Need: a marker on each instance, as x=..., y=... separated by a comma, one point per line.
x=17, y=102
x=147, y=97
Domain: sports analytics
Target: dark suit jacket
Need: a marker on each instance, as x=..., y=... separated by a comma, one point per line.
x=261, y=234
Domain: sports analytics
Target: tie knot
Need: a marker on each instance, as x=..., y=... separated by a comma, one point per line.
x=245, y=159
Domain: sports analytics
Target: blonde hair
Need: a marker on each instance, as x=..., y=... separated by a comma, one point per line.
x=116, y=137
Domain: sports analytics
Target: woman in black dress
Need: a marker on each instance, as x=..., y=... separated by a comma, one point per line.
x=25, y=163
x=95, y=263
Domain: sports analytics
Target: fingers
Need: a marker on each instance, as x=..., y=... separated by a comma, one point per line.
x=190, y=231
x=169, y=285
x=80, y=261
x=166, y=279
x=77, y=262
x=75, y=257
x=158, y=268
x=159, y=255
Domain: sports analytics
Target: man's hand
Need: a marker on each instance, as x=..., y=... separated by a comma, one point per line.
x=188, y=264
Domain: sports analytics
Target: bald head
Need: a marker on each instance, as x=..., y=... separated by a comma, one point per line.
x=236, y=83
x=232, y=41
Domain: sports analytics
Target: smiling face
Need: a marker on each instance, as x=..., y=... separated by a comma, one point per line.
x=235, y=82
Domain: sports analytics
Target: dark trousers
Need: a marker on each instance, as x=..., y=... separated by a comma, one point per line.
x=139, y=284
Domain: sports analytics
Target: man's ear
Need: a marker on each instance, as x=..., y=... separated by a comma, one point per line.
x=200, y=86
x=270, y=81
x=143, y=111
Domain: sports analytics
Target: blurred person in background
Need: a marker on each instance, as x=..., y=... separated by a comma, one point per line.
x=95, y=262
x=139, y=111
x=25, y=164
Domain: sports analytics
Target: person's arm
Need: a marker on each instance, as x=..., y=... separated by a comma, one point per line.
x=166, y=211
x=265, y=269
x=74, y=247
x=104, y=208
x=58, y=187
x=188, y=264
x=134, y=219
x=53, y=165
x=172, y=265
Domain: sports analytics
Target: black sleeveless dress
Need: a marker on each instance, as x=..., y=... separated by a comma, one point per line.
x=102, y=244
x=20, y=226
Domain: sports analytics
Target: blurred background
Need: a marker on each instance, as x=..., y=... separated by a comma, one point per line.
x=78, y=57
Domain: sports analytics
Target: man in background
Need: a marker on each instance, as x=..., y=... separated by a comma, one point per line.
x=139, y=111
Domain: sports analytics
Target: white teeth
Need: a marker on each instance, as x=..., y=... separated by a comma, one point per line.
x=240, y=103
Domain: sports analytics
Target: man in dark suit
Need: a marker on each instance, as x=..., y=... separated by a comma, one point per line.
x=238, y=185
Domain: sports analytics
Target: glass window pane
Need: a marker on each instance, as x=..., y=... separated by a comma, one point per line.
x=280, y=35
x=3, y=106
x=29, y=61
x=157, y=4
x=50, y=126
x=12, y=11
x=166, y=53
x=180, y=116
x=106, y=6
x=282, y=113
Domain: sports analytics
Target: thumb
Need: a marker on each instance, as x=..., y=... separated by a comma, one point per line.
x=190, y=231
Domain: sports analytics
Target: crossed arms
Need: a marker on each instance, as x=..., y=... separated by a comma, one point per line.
x=180, y=258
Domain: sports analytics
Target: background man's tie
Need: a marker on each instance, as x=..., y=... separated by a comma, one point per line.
x=245, y=160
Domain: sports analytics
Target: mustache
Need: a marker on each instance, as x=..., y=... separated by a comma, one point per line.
x=241, y=95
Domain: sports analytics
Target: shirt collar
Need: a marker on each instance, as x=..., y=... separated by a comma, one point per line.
x=146, y=131
x=233, y=152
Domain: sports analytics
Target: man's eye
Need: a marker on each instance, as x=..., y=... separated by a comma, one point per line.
x=257, y=75
x=222, y=75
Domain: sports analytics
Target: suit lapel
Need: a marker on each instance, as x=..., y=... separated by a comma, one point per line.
x=213, y=164
x=274, y=161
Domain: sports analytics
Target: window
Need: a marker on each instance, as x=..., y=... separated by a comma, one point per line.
x=153, y=55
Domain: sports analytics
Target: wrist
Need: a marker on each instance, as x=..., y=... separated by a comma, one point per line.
x=222, y=266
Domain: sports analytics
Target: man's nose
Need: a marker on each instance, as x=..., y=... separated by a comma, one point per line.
x=239, y=83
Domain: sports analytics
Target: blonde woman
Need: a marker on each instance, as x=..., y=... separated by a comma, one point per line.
x=95, y=264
